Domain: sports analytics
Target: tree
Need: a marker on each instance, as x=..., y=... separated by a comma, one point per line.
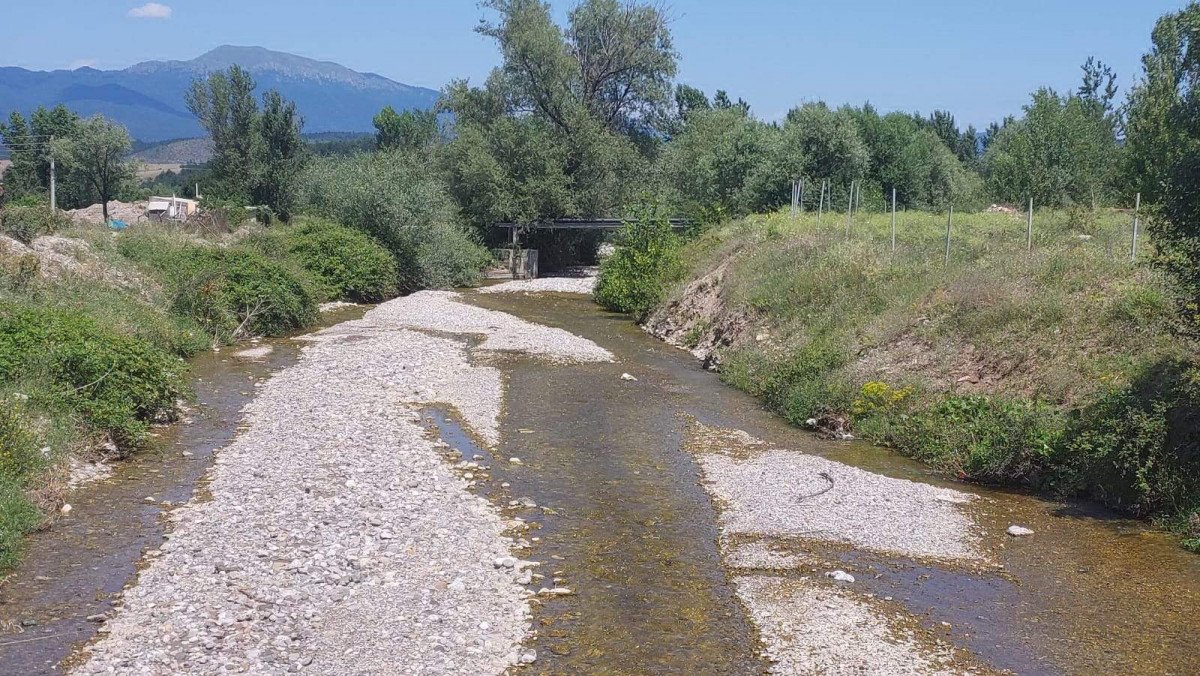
x=1164, y=145
x=282, y=155
x=1153, y=138
x=29, y=144
x=688, y=99
x=96, y=151
x=1062, y=152
x=409, y=130
x=613, y=62
x=225, y=106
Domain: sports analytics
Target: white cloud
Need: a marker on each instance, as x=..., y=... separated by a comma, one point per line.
x=151, y=10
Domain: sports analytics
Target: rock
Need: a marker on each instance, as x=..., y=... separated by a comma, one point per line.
x=505, y=562
x=65, y=509
x=840, y=576
x=626, y=376
x=515, y=461
x=528, y=657
x=1019, y=531
x=96, y=618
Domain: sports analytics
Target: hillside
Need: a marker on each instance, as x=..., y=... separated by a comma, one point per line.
x=148, y=97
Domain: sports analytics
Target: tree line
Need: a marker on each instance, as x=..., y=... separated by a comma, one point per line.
x=587, y=119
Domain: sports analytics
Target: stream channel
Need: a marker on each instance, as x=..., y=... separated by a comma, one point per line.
x=623, y=520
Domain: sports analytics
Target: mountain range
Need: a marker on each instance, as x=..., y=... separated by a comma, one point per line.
x=148, y=97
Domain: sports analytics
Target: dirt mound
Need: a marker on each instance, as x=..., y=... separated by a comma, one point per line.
x=61, y=257
x=130, y=212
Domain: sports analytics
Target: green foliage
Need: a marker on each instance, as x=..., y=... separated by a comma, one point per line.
x=982, y=438
x=410, y=130
x=396, y=198
x=257, y=156
x=646, y=262
x=29, y=141
x=799, y=385
x=115, y=382
x=346, y=263
x=231, y=292
x=27, y=223
x=95, y=152
x=1063, y=152
x=1135, y=448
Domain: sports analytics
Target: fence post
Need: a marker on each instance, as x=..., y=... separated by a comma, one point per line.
x=1137, y=206
x=800, y=202
x=1029, y=227
x=821, y=204
x=893, y=220
x=849, y=209
x=949, y=220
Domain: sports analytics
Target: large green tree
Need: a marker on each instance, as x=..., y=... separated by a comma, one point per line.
x=407, y=130
x=96, y=152
x=1154, y=138
x=29, y=147
x=257, y=155
x=224, y=104
x=565, y=126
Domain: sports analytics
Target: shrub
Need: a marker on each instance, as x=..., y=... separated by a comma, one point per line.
x=397, y=198
x=27, y=223
x=646, y=261
x=982, y=438
x=235, y=293
x=230, y=292
x=116, y=383
x=1136, y=448
x=346, y=263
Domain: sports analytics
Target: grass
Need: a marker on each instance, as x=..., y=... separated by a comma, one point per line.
x=1054, y=367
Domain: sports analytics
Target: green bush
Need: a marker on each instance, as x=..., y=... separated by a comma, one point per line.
x=798, y=386
x=982, y=438
x=231, y=292
x=397, y=198
x=117, y=384
x=346, y=263
x=1136, y=448
x=647, y=260
x=27, y=223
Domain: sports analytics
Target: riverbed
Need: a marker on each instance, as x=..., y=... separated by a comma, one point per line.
x=608, y=467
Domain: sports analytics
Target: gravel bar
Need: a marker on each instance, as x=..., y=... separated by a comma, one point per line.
x=582, y=285
x=811, y=628
x=337, y=539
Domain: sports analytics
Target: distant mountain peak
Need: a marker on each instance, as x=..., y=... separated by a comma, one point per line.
x=148, y=97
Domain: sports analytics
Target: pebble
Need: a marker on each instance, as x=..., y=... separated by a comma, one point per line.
x=840, y=576
x=1019, y=531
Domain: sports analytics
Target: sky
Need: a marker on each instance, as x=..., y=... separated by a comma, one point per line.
x=978, y=59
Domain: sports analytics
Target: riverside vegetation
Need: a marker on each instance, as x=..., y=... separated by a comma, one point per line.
x=1060, y=369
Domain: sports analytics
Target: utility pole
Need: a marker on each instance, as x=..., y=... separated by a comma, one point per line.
x=53, y=196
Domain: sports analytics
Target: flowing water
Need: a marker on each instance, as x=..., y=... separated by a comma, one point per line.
x=76, y=568
x=621, y=520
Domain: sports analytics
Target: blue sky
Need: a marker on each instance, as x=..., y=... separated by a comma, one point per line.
x=978, y=59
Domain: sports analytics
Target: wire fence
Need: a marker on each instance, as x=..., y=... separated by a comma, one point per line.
x=1118, y=231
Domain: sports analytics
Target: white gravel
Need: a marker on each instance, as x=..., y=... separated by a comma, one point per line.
x=441, y=311
x=337, y=539
x=814, y=628
x=826, y=625
x=779, y=492
x=585, y=284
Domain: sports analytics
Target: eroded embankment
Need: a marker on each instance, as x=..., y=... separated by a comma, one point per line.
x=336, y=539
